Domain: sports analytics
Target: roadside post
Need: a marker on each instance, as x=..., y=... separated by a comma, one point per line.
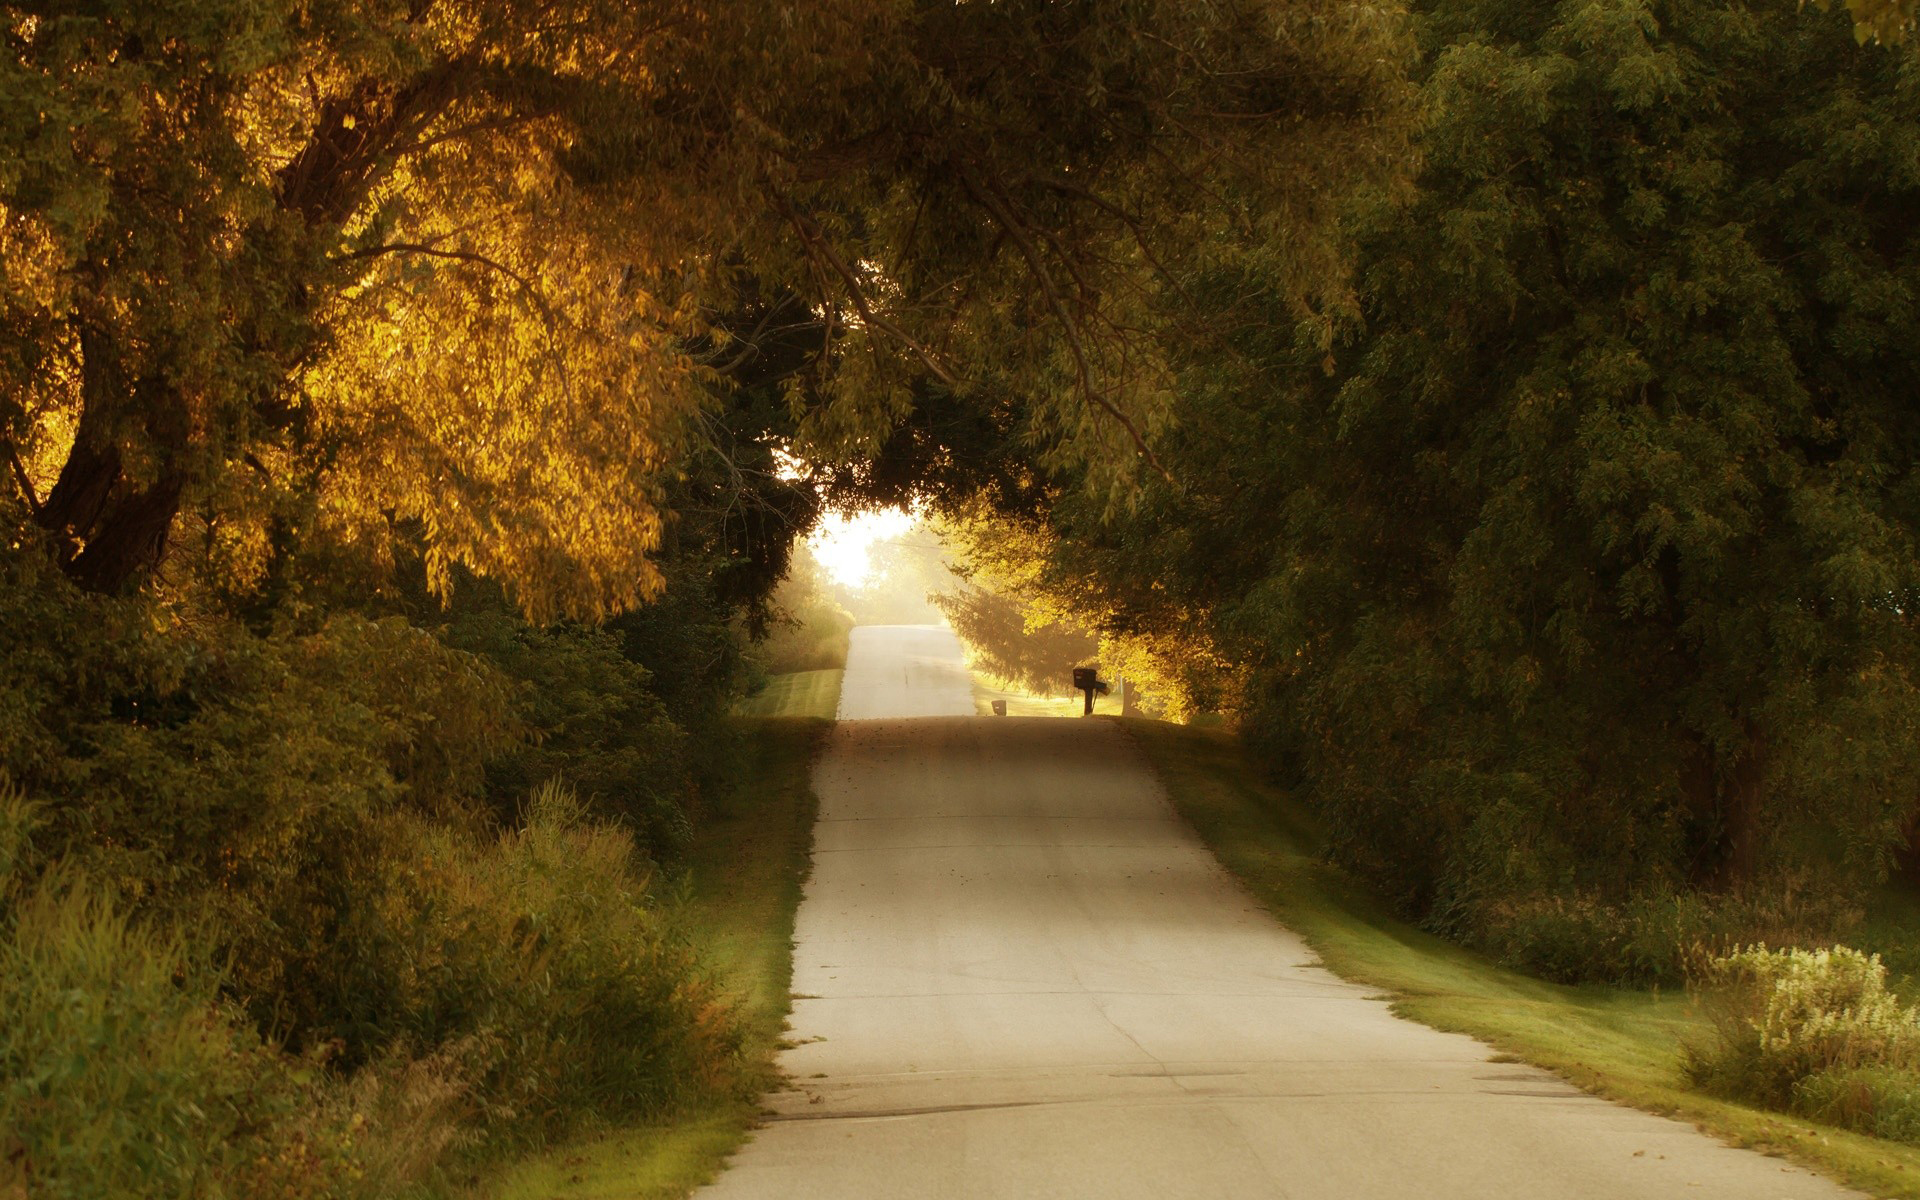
x=1085, y=679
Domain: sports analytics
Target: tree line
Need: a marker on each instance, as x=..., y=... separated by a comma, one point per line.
x=1571, y=571
x=408, y=408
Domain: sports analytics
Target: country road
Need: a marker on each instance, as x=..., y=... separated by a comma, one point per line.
x=1020, y=975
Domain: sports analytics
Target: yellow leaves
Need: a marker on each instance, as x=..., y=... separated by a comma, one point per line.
x=501, y=387
x=34, y=262
x=1891, y=22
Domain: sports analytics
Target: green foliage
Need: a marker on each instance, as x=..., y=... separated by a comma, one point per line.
x=1651, y=937
x=1814, y=1032
x=1116, y=589
x=526, y=986
x=242, y=781
x=1005, y=646
x=1576, y=575
x=540, y=963
x=592, y=721
x=1880, y=20
x=811, y=630
x=306, y=808
x=123, y=1073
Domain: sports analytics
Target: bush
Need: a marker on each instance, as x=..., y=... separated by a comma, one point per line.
x=259, y=894
x=123, y=1073
x=1659, y=937
x=594, y=721
x=1814, y=1032
x=568, y=992
x=522, y=987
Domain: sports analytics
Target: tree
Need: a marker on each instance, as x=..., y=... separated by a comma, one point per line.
x=1579, y=571
x=1076, y=572
x=1001, y=642
x=465, y=274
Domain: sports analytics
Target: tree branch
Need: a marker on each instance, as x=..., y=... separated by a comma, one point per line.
x=1133, y=226
x=431, y=251
x=1069, y=327
x=20, y=477
x=550, y=320
x=819, y=247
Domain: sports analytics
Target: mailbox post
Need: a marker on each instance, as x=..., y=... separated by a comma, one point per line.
x=1086, y=680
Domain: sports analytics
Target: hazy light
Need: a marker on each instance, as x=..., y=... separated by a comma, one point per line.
x=843, y=544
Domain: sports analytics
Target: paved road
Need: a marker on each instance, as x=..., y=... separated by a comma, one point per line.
x=904, y=671
x=1021, y=976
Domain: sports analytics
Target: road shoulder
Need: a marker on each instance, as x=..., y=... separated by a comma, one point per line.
x=1620, y=1044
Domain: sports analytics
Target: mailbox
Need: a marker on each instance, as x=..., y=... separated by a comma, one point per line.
x=1086, y=679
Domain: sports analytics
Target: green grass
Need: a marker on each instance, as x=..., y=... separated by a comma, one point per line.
x=1618, y=1043
x=743, y=884
x=799, y=694
x=1024, y=704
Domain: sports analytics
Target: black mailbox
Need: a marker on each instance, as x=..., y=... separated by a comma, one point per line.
x=1086, y=679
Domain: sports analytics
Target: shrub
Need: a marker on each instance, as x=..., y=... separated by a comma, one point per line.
x=541, y=965
x=594, y=721
x=519, y=988
x=1814, y=1032
x=259, y=894
x=1657, y=937
x=123, y=1074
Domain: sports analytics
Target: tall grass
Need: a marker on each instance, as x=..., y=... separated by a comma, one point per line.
x=533, y=984
x=122, y=1070
x=1815, y=1032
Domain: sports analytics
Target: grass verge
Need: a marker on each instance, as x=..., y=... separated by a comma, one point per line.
x=1618, y=1043
x=742, y=883
x=1022, y=704
x=796, y=694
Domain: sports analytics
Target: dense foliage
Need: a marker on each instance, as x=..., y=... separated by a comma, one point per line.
x=407, y=412
x=1814, y=1032
x=1574, y=581
x=1007, y=645
x=289, y=277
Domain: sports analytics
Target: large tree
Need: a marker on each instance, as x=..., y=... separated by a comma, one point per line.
x=463, y=272
x=1581, y=571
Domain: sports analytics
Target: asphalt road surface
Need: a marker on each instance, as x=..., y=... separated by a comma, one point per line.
x=1019, y=975
x=905, y=671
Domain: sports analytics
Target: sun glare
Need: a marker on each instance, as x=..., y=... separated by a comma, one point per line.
x=843, y=543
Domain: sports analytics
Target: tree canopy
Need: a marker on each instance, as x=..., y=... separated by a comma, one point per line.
x=466, y=275
x=1577, y=573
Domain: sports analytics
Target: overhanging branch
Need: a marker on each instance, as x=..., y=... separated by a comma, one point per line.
x=1037, y=266
x=21, y=477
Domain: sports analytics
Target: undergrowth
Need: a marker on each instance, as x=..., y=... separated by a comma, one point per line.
x=1813, y=1032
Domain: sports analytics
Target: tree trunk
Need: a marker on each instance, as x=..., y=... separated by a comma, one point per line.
x=1729, y=799
x=111, y=530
